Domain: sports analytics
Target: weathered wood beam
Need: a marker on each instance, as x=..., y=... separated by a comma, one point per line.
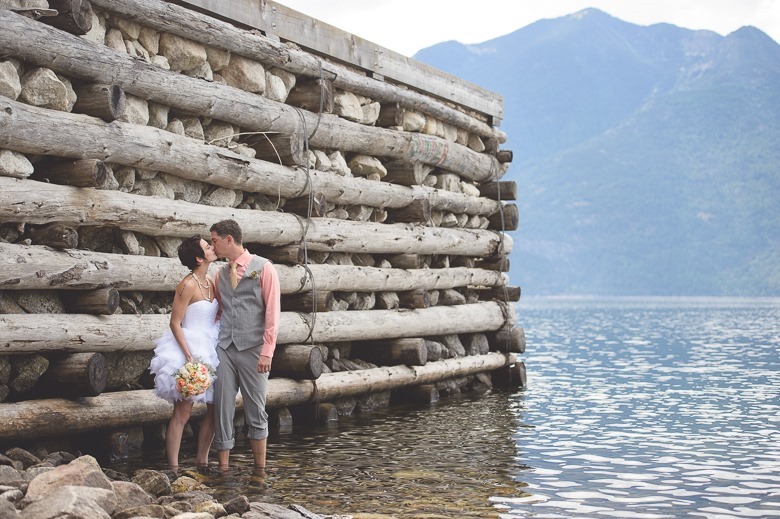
x=38, y=203
x=33, y=419
x=107, y=102
x=75, y=333
x=76, y=173
x=73, y=16
x=507, y=220
x=29, y=129
x=73, y=56
x=297, y=361
x=171, y=18
x=26, y=267
x=507, y=189
x=77, y=374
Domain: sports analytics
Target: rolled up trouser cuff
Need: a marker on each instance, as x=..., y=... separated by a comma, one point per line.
x=224, y=445
x=257, y=434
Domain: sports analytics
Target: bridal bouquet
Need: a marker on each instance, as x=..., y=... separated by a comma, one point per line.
x=194, y=378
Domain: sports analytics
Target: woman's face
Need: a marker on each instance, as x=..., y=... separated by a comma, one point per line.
x=208, y=251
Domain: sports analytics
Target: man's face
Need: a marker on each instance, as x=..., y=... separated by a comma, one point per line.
x=220, y=244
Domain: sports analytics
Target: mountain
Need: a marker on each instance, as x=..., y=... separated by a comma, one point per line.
x=647, y=158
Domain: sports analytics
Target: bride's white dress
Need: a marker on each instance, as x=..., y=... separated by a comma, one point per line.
x=201, y=333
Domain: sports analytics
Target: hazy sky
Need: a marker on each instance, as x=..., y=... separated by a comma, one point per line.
x=407, y=26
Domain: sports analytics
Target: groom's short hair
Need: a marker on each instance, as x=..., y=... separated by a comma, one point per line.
x=226, y=228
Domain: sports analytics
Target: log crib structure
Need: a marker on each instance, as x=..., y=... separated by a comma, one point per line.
x=371, y=180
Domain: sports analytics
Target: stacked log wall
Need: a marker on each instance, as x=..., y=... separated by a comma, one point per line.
x=157, y=121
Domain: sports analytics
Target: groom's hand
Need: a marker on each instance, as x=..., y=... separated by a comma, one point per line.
x=264, y=364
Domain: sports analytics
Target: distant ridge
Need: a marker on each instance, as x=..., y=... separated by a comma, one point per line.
x=647, y=158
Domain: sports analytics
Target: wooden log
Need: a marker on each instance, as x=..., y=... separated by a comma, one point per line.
x=32, y=419
x=409, y=351
x=297, y=361
x=405, y=173
x=507, y=340
x=29, y=129
x=500, y=264
x=73, y=16
x=323, y=413
x=278, y=148
x=505, y=293
x=510, y=376
x=77, y=374
x=25, y=267
x=103, y=301
x=107, y=102
x=311, y=94
x=308, y=302
x=406, y=261
x=418, y=298
x=506, y=220
x=98, y=64
x=39, y=203
x=418, y=211
x=55, y=235
x=422, y=394
x=76, y=173
x=390, y=114
x=315, y=206
x=75, y=333
x=504, y=156
x=288, y=255
x=187, y=23
x=507, y=189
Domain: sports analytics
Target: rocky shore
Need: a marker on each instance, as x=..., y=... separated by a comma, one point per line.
x=61, y=485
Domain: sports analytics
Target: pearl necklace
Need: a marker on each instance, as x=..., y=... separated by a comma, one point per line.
x=206, y=296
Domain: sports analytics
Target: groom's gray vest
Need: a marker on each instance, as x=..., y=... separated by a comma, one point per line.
x=243, y=309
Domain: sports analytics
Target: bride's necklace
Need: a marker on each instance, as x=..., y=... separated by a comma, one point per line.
x=202, y=287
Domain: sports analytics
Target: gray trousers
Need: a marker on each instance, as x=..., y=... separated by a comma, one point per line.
x=238, y=370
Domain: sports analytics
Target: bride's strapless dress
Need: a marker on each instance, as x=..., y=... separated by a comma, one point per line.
x=201, y=333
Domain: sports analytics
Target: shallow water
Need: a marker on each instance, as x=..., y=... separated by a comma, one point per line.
x=635, y=408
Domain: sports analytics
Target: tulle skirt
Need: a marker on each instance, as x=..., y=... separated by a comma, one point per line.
x=168, y=358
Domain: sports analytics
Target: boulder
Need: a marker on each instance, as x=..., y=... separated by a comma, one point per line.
x=182, y=54
x=72, y=501
x=237, y=505
x=136, y=111
x=150, y=510
x=363, y=165
x=73, y=474
x=212, y=508
x=245, y=74
x=186, y=484
x=14, y=164
x=154, y=482
x=27, y=458
x=41, y=87
x=10, y=85
x=217, y=58
x=347, y=105
x=26, y=370
x=413, y=121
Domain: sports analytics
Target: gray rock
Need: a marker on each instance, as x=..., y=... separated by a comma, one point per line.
x=148, y=510
x=128, y=242
x=288, y=78
x=114, y=40
x=220, y=197
x=26, y=370
x=10, y=85
x=125, y=368
x=34, y=472
x=27, y=458
x=136, y=111
x=72, y=474
x=150, y=39
x=158, y=115
x=153, y=187
x=182, y=54
x=10, y=476
x=245, y=74
x=41, y=87
x=149, y=245
x=125, y=177
x=74, y=502
x=161, y=61
x=217, y=58
x=97, y=34
x=453, y=345
x=13, y=495
x=338, y=164
x=193, y=128
x=475, y=343
x=130, y=30
x=59, y=458
x=434, y=350
x=41, y=302
x=69, y=92
x=347, y=105
x=387, y=300
x=275, y=88
x=259, y=510
x=413, y=121
x=7, y=509
x=193, y=497
x=237, y=505
x=202, y=71
x=4, y=392
x=5, y=377
x=304, y=513
x=169, y=245
x=370, y=113
x=219, y=133
x=195, y=515
x=154, y=482
x=475, y=143
x=98, y=239
x=212, y=508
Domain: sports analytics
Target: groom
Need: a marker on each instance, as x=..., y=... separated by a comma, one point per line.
x=248, y=292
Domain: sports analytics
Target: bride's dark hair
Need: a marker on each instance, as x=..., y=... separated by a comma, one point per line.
x=189, y=251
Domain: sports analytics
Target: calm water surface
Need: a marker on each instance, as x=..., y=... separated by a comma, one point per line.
x=636, y=408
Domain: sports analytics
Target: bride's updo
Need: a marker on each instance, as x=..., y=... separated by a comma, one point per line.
x=189, y=251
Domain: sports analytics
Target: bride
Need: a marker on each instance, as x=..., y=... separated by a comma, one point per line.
x=193, y=336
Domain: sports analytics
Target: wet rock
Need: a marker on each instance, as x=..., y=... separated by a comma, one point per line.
x=265, y=510
x=186, y=484
x=72, y=501
x=193, y=497
x=156, y=511
x=154, y=482
x=237, y=505
x=27, y=458
x=212, y=508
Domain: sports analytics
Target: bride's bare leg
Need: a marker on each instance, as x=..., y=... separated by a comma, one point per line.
x=181, y=413
x=205, y=437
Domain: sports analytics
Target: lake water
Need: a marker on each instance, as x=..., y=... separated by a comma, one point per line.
x=636, y=408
